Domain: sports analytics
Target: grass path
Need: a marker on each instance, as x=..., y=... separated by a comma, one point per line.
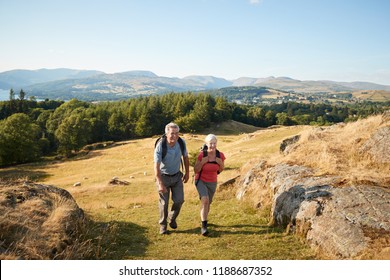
x=237, y=231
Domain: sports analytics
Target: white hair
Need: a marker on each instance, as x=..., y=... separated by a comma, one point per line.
x=210, y=137
x=171, y=125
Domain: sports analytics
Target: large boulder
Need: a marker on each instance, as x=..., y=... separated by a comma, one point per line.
x=38, y=221
x=331, y=186
x=340, y=221
x=378, y=146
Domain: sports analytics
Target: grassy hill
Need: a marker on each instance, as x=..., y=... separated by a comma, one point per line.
x=124, y=218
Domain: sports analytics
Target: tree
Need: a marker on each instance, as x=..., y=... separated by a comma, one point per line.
x=12, y=101
x=22, y=95
x=116, y=124
x=283, y=119
x=73, y=133
x=11, y=95
x=222, y=110
x=270, y=118
x=256, y=116
x=22, y=102
x=62, y=112
x=18, y=140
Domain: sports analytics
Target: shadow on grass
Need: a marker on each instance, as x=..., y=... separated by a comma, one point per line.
x=17, y=173
x=117, y=240
x=219, y=230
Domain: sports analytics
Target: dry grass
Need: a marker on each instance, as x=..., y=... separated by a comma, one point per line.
x=38, y=223
x=123, y=219
x=336, y=150
x=372, y=95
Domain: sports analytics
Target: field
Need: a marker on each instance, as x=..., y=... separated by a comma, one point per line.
x=124, y=218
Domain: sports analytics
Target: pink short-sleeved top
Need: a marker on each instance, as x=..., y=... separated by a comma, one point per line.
x=209, y=171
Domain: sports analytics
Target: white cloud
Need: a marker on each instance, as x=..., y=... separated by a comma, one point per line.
x=255, y=2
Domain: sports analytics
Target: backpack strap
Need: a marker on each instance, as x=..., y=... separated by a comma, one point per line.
x=204, y=149
x=181, y=143
x=217, y=154
x=163, y=140
x=164, y=147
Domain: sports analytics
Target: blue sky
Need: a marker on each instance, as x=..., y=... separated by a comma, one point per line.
x=341, y=40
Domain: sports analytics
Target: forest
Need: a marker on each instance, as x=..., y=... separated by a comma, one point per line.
x=31, y=129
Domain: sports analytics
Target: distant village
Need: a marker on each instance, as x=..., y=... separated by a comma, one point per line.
x=319, y=97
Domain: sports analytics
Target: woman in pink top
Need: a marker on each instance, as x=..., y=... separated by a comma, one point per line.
x=209, y=164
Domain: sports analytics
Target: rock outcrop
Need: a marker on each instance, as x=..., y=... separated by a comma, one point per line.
x=37, y=221
x=341, y=203
x=378, y=146
x=287, y=144
x=341, y=222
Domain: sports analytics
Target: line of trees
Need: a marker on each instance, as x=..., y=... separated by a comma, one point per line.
x=30, y=129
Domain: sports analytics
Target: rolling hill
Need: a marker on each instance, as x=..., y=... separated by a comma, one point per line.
x=124, y=218
x=91, y=85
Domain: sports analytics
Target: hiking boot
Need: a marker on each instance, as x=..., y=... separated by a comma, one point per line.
x=173, y=224
x=204, y=231
x=163, y=230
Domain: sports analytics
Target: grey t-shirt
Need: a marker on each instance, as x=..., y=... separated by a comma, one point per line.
x=171, y=163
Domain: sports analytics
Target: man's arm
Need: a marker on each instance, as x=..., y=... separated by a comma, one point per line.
x=157, y=173
x=187, y=168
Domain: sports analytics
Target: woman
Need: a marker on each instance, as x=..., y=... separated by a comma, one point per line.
x=209, y=164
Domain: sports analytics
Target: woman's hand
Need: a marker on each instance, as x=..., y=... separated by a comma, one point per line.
x=199, y=164
x=221, y=164
x=205, y=160
x=219, y=161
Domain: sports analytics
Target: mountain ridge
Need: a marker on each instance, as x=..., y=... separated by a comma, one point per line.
x=93, y=84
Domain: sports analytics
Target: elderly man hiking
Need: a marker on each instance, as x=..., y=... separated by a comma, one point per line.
x=169, y=179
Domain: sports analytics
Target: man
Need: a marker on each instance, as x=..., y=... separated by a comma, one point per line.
x=169, y=179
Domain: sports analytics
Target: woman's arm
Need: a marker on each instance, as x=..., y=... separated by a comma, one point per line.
x=221, y=164
x=199, y=164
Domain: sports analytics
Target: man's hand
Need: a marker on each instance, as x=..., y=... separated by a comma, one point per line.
x=186, y=177
x=162, y=188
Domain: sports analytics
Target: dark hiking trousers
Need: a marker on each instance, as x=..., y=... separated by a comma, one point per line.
x=174, y=185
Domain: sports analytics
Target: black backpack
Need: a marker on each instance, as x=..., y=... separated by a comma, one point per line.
x=164, y=145
x=204, y=149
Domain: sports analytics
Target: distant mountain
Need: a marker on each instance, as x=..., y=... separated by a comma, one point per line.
x=244, y=81
x=20, y=78
x=96, y=85
x=364, y=86
x=121, y=85
x=209, y=82
x=289, y=84
x=136, y=73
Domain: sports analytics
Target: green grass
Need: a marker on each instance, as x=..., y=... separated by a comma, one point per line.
x=237, y=231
